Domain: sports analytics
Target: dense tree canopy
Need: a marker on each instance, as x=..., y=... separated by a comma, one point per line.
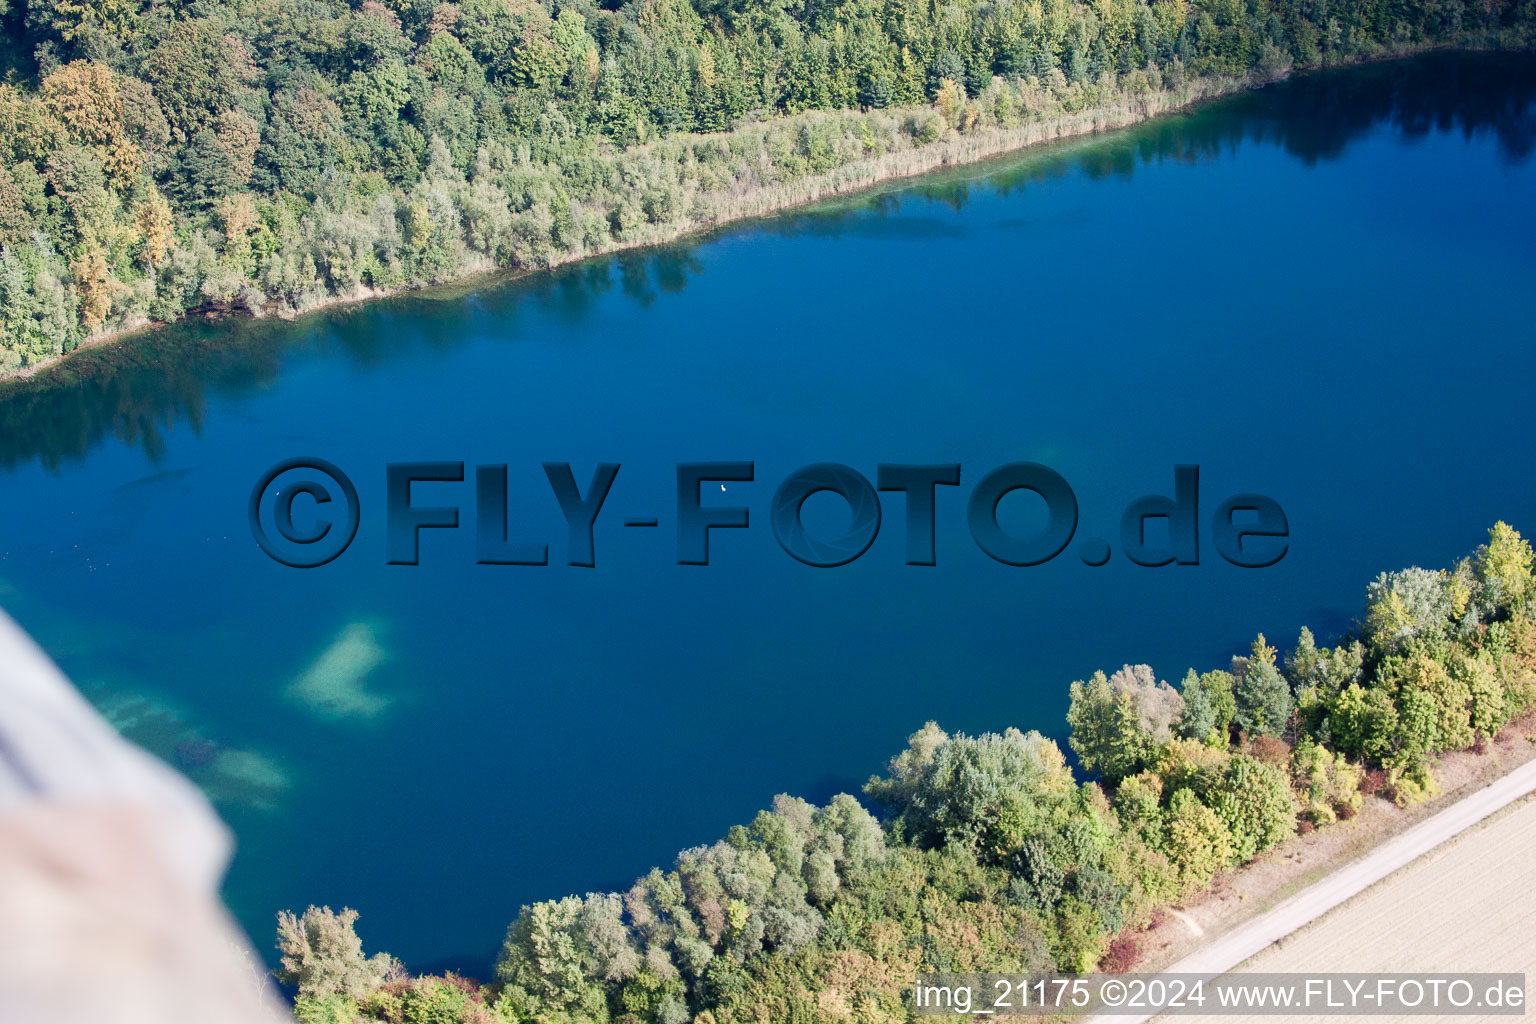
x=160, y=157
x=992, y=856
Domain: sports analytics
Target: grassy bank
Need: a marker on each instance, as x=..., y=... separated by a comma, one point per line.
x=693, y=183
x=270, y=158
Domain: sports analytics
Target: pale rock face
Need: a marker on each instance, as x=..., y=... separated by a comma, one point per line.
x=109, y=868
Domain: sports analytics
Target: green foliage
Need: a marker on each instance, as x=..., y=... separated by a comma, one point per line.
x=1138, y=802
x=1503, y=570
x=985, y=793
x=1209, y=707
x=568, y=129
x=1434, y=705
x=993, y=857
x=1262, y=697
x=1119, y=722
x=1196, y=841
x=1318, y=675
x=1254, y=803
x=322, y=955
x=1365, y=722
x=1402, y=606
x=330, y=1009
x=1321, y=670
x=1329, y=786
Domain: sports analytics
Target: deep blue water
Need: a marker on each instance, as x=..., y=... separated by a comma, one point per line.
x=1319, y=292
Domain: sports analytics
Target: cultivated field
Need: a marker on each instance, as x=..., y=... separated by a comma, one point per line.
x=1469, y=905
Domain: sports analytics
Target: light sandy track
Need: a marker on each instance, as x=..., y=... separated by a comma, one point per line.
x=1473, y=908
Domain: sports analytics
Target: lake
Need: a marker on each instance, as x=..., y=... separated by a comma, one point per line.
x=1319, y=292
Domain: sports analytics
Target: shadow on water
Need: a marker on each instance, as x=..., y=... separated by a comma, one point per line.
x=136, y=390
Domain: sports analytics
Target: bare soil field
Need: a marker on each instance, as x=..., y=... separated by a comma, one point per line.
x=1470, y=905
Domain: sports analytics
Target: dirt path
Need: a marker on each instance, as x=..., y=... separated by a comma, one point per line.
x=1408, y=922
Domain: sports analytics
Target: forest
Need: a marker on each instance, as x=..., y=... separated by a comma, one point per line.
x=987, y=853
x=272, y=155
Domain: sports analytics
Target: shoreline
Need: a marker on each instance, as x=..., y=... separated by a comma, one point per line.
x=954, y=150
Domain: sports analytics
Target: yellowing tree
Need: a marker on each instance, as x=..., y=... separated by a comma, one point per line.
x=152, y=217
x=83, y=96
x=237, y=214
x=950, y=102
x=239, y=136
x=1504, y=566
x=95, y=285
x=122, y=161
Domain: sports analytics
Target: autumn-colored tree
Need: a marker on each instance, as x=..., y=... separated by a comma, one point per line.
x=238, y=136
x=1504, y=568
x=950, y=102
x=95, y=285
x=237, y=215
x=152, y=218
x=123, y=162
x=15, y=218
x=84, y=98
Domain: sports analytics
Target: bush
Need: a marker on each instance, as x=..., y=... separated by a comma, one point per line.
x=1253, y=801
x=1124, y=954
x=1329, y=785
x=322, y=955
x=926, y=127
x=1270, y=749
x=1195, y=840
x=1080, y=941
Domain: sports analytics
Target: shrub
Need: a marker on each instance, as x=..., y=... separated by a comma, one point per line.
x=328, y=1009
x=1123, y=954
x=1254, y=802
x=1196, y=841
x=1270, y=749
x=1079, y=940
x=322, y=955
x=926, y=127
x=1329, y=785
x=1372, y=781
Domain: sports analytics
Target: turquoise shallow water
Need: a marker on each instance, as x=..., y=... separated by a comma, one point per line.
x=1319, y=292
